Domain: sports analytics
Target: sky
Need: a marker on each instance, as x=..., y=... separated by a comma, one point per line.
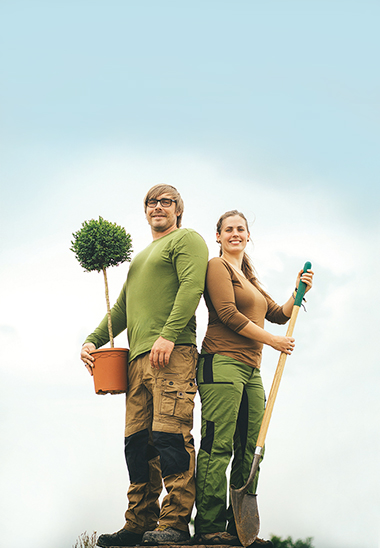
x=271, y=108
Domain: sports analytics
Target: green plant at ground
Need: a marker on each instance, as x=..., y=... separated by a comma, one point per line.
x=289, y=543
x=98, y=245
x=86, y=541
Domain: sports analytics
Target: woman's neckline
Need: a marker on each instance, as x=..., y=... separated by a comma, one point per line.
x=240, y=272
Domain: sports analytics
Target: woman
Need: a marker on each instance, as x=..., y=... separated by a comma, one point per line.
x=228, y=375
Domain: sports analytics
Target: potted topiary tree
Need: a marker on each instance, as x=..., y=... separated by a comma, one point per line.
x=98, y=245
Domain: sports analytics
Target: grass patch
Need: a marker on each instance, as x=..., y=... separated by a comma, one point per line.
x=86, y=541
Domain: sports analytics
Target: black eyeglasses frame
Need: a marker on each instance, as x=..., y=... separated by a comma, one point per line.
x=160, y=202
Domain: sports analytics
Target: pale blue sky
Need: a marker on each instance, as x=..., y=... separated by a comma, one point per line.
x=271, y=107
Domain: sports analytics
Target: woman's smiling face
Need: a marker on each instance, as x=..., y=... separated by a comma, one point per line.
x=233, y=235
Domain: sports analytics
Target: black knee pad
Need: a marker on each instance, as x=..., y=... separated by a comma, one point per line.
x=138, y=452
x=173, y=456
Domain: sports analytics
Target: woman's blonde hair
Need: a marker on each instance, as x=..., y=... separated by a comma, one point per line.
x=246, y=265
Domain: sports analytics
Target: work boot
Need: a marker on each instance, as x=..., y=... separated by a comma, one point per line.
x=120, y=538
x=165, y=535
x=216, y=538
x=261, y=543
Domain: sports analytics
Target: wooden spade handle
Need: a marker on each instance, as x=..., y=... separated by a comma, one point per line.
x=276, y=383
x=281, y=364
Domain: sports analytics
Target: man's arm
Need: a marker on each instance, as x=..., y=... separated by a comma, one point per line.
x=100, y=336
x=190, y=260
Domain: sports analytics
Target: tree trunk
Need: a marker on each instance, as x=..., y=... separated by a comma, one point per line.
x=108, y=309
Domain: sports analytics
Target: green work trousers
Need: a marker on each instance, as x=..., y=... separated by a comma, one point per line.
x=233, y=403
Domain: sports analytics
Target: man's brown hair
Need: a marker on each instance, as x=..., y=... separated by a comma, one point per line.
x=157, y=190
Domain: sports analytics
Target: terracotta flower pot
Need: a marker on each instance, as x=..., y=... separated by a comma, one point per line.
x=110, y=370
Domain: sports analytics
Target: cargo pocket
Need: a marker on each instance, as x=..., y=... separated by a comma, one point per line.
x=177, y=400
x=168, y=400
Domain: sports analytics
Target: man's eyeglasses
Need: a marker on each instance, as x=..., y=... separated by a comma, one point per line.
x=165, y=202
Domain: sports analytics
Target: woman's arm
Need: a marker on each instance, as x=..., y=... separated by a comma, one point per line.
x=282, y=344
x=221, y=292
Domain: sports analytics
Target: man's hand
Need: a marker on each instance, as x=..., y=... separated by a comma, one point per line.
x=160, y=354
x=86, y=357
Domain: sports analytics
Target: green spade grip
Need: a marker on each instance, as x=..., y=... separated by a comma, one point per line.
x=302, y=287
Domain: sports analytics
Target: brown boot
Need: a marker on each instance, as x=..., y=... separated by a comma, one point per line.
x=166, y=535
x=120, y=538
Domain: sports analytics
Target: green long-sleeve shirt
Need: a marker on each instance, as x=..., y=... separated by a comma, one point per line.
x=162, y=291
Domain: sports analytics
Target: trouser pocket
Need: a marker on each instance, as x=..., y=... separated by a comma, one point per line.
x=177, y=399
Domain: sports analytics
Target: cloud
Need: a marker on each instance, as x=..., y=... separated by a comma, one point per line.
x=320, y=447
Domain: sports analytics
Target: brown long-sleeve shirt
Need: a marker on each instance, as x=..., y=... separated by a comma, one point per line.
x=232, y=302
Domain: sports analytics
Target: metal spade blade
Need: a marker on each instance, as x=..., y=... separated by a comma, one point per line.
x=244, y=505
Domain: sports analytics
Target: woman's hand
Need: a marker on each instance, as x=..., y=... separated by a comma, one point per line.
x=86, y=357
x=283, y=344
x=307, y=278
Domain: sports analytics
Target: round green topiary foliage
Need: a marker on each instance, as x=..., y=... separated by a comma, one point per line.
x=100, y=244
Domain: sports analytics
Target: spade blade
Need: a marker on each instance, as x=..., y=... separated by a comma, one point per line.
x=246, y=513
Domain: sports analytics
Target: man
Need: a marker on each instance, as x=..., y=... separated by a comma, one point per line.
x=157, y=306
